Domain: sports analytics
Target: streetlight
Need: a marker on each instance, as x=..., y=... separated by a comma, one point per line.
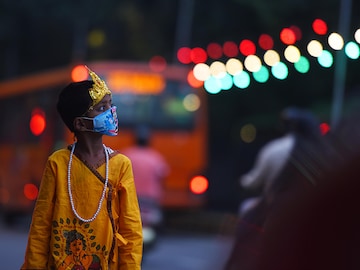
x=340, y=66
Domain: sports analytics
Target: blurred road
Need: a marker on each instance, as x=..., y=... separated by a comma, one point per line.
x=175, y=250
x=188, y=252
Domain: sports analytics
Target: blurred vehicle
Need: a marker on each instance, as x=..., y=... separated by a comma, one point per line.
x=31, y=128
x=152, y=220
x=150, y=169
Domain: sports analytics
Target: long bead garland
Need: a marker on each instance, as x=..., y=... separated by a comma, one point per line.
x=103, y=193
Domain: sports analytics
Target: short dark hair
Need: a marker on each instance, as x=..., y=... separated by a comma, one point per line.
x=300, y=121
x=142, y=134
x=74, y=100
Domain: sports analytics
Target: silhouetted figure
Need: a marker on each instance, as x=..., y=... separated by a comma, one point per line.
x=294, y=162
x=320, y=230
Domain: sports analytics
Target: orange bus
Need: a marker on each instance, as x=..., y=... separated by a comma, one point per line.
x=163, y=100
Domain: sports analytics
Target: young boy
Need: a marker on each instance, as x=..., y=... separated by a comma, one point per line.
x=87, y=214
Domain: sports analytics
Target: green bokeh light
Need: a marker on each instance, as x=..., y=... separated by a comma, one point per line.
x=212, y=85
x=352, y=50
x=226, y=82
x=280, y=71
x=262, y=75
x=326, y=59
x=303, y=65
x=242, y=80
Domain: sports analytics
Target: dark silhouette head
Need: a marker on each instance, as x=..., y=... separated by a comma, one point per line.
x=300, y=121
x=142, y=134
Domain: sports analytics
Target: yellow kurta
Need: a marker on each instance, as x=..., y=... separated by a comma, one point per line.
x=59, y=240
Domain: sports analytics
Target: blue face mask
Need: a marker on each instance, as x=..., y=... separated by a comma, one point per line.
x=106, y=123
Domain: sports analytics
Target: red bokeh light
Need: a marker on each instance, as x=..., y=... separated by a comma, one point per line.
x=192, y=81
x=247, y=47
x=37, y=121
x=199, y=184
x=157, y=63
x=183, y=55
x=214, y=50
x=320, y=27
x=230, y=49
x=31, y=191
x=266, y=42
x=198, y=55
x=324, y=128
x=297, y=32
x=79, y=73
x=287, y=36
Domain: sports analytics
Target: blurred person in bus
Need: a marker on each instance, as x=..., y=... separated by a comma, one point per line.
x=285, y=165
x=87, y=214
x=150, y=169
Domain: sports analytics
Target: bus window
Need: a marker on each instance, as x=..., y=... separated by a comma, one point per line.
x=163, y=111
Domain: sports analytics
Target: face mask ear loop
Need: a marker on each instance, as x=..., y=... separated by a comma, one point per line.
x=86, y=118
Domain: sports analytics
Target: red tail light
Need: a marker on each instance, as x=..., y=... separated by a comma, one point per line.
x=199, y=184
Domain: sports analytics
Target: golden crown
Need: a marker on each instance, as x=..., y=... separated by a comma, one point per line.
x=99, y=89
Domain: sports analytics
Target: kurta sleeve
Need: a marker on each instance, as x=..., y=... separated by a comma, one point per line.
x=37, y=250
x=130, y=226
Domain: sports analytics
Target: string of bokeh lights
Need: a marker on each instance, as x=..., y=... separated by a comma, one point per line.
x=216, y=74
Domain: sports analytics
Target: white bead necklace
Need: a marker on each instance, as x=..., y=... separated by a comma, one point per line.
x=103, y=193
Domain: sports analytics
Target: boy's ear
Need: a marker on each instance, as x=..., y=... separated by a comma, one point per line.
x=79, y=124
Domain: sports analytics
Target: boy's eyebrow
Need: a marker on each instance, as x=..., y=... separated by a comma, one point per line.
x=102, y=103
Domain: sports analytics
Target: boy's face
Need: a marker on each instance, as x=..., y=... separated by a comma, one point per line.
x=101, y=107
x=97, y=109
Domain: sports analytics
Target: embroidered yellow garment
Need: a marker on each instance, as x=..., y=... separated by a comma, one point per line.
x=59, y=240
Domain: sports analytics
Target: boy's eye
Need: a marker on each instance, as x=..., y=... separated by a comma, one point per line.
x=101, y=108
x=105, y=107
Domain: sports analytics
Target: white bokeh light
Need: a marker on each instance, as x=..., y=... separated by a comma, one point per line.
x=357, y=36
x=234, y=66
x=201, y=72
x=218, y=69
x=336, y=41
x=252, y=63
x=314, y=48
x=271, y=58
x=292, y=54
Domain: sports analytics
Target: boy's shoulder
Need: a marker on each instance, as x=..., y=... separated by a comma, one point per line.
x=114, y=153
x=59, y=153
x=65, y=153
